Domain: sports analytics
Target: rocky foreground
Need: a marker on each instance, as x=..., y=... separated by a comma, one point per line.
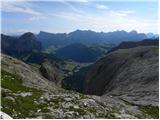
x=26, y=94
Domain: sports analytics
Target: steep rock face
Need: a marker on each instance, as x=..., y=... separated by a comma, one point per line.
x=52, y=71
x=129, y=73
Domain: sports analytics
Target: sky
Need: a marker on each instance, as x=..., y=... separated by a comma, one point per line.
x=19, y=16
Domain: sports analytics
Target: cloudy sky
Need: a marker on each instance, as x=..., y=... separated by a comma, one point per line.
x=66, y=16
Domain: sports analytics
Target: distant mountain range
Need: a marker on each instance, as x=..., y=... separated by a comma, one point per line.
x=80, y=46
x=27, y=48
x=89, y=37
x=151, y=35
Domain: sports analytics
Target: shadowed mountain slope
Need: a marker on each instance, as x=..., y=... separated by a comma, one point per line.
x=20, y=46
x=77, y=52
x=129, y=73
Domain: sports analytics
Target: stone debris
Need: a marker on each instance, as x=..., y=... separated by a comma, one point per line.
x=23, y=94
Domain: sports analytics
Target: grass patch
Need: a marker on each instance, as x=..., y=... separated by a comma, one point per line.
x=150, y=110
x=20, y=107
x=69, y=66
x=12, y=82
x=91, y=110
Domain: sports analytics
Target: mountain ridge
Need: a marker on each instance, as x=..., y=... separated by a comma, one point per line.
x=89, y=36
x=19, y=46
x=132, y=44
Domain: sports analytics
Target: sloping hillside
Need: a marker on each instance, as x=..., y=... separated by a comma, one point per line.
x=30, y=77
x=26, y=94
x=131, y=74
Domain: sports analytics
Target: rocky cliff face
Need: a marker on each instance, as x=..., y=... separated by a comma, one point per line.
x=52, y=71
x=131, y=74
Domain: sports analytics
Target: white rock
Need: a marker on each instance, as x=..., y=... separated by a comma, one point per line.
x=4, y=116
x=67, y=105
x=11, y=98
x=76, y=107
x=38, y=110
x=24, y=94
x=67, y=99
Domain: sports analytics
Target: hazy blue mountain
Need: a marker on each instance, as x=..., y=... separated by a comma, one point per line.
x=48, y=39
x=84, y=36
x=152, y=35
x=120, y=36
x=89, y=37
x=77, y=52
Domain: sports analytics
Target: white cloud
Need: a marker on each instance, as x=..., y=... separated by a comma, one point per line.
x=18, y=6
x=104, y=7
x=22, y=7
x=72, y=7
x=121, y=13
x=37, y=18
x=110, y=21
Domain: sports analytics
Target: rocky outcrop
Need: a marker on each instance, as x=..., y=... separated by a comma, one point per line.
x=51, y=71
x=131, y=74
